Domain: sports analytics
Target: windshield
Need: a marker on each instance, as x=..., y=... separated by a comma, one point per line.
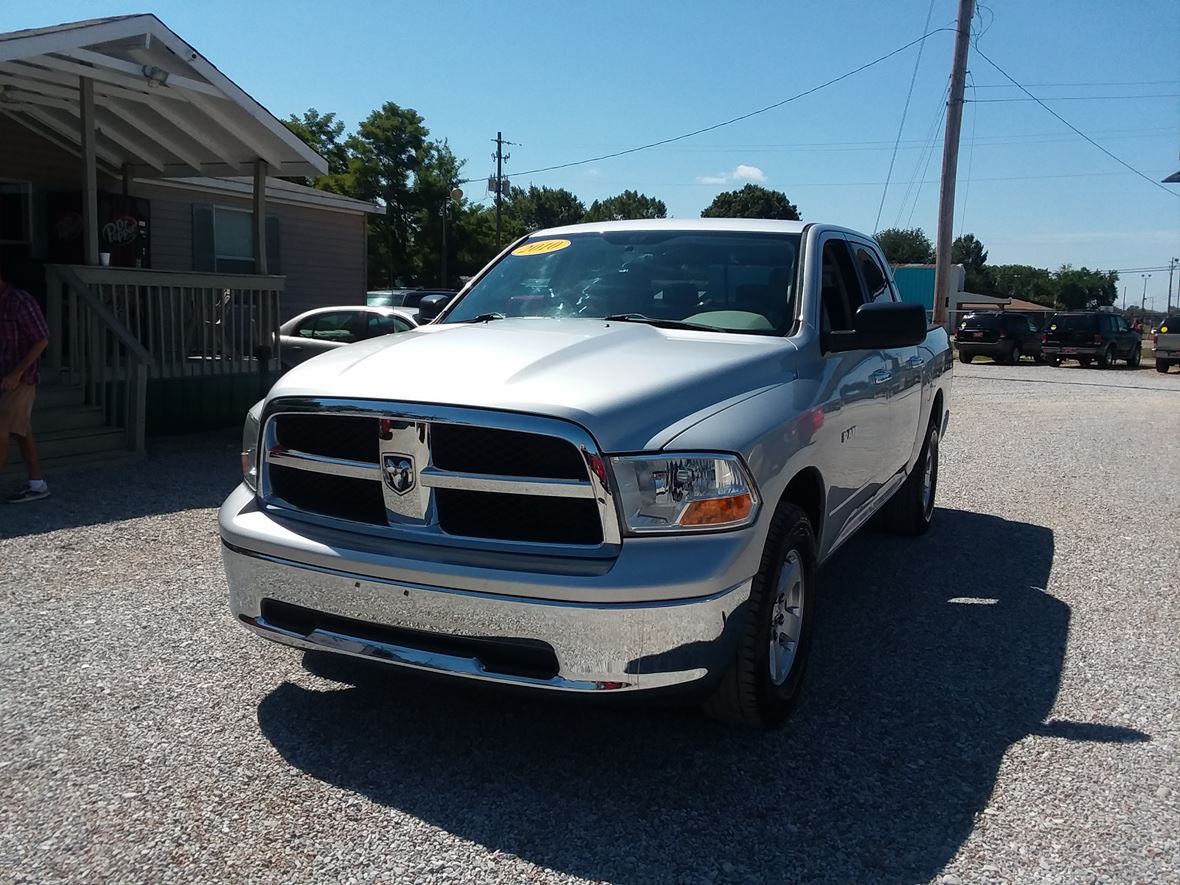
x=725, y=280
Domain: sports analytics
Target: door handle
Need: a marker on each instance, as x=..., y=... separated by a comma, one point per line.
x=294, y=347
x=915, y=362
x=881, y=376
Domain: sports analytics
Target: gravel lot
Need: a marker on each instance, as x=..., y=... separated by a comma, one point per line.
x=998, y=701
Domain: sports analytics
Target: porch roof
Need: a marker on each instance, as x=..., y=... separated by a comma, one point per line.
x=161, y=109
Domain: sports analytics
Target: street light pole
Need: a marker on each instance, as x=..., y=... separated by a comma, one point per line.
x=1143, y=300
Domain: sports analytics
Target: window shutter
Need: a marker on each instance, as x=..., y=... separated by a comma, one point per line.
x=273, y=254
x=203, y=255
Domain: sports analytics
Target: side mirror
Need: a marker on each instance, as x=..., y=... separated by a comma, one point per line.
x=431, y=306
x=882, y=326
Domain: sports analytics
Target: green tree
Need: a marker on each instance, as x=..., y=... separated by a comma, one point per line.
x=969, y=252
x=1081, y=288
x=541, y=207
x=626, y=206
x=1024, y=281
x=752, y=201
x=902, y=246
x=390, y=151
x=323, y=133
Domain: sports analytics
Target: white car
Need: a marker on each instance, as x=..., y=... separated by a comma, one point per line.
x=326, y=328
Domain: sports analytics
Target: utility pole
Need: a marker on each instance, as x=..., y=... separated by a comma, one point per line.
x=950, y=163
x=1171, y=268
x=1143, y=300
x=499, y=156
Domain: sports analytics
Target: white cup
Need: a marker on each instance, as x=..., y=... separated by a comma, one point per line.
x=104, y=258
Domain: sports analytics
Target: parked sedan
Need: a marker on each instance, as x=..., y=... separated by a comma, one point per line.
x=401, y=297
x=327, y=328
x=1001, y=335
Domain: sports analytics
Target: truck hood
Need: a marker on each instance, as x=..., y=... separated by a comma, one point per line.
x=633, y=386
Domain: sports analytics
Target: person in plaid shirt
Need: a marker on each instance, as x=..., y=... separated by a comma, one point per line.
x=23, y=337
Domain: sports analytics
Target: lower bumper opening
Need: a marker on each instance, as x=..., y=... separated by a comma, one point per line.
x=530, y=658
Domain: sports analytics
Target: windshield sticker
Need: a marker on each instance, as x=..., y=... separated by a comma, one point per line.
x=1163, y=328
x=1053, y=328
x=541, y=247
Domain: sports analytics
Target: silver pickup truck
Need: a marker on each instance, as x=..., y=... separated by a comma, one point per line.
x=1166, y=344
x=613, y=463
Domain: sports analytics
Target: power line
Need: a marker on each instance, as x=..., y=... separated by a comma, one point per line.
x=970, y=158
x=919, y=177
x=738, y=119
x=1078, y=98
x=904, y=111
x=1075, y=129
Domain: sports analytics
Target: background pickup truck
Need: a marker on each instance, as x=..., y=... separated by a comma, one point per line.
x=1166, y=343
x=644, y=440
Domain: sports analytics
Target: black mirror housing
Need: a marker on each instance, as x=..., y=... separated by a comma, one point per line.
x=882, y=326
x=432, y=305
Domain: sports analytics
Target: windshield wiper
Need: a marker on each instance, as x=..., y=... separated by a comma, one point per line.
x=486, y=318
x=658, y=323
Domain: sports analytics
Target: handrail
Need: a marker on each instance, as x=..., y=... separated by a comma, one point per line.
x=69, y=276
x=142, y=277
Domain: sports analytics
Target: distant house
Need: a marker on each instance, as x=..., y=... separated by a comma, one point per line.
x=141, y=200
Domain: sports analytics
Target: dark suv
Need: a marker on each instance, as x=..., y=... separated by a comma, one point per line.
x=1091, y=336
x=1003, y=336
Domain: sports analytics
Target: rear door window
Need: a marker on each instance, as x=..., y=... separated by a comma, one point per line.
x=1072, y=322
x=875, y=280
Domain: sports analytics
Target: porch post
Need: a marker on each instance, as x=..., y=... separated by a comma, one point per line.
x=89, y=173
x=260, y=216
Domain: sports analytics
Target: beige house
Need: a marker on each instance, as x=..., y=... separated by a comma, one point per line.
x=142, y=201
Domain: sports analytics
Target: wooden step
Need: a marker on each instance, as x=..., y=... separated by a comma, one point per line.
x=74, y=442
x=51, y=396
x=14, y=474
x=46, y=420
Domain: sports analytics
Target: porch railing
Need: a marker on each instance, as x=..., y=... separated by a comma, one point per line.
x=113, y=329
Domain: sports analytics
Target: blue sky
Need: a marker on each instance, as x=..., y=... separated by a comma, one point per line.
x=577, y=80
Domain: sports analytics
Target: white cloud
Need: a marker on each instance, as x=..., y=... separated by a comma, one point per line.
x=748, y=173
x=743, y=172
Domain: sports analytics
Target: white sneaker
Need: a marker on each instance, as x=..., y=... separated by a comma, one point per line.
x=28, y=493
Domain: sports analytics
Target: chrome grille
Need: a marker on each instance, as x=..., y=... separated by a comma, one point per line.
x=437, y=474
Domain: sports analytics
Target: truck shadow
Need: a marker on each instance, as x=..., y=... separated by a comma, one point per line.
x=930, y=659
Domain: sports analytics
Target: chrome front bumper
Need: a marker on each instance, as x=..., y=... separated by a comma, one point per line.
x=609, y=647
x=665, y=611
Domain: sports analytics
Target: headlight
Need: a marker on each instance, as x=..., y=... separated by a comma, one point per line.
x=684, y=492
x=251, y=431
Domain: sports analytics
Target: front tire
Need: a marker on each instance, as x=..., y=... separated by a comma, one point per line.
x=761, y=685
x=1084, y=362
x=1162, y=366
x=1135, y=357
x=1055, y=362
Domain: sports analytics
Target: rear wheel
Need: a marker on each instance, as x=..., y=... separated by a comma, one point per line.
x=1161, y=366
x=1015, y=355
x=1084, y=362
x=1055, y=361
x=965, y=357
x=1106, y=357
x=761, y=685
x=1135, y=358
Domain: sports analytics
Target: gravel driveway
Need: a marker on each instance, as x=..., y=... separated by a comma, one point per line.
x=998, y=701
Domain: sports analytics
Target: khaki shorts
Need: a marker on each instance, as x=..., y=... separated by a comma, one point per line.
x=16, y=410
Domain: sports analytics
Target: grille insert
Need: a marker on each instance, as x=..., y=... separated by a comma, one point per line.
x=519, y=517
x=343, y=497
x=352, y=437
x=504, y=452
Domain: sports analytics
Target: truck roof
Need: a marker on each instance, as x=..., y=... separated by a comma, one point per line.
x=750, y=225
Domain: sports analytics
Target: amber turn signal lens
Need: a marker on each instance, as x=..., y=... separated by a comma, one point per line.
x=718, y=511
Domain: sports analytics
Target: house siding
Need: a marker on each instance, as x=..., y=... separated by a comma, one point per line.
x=321, y=250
